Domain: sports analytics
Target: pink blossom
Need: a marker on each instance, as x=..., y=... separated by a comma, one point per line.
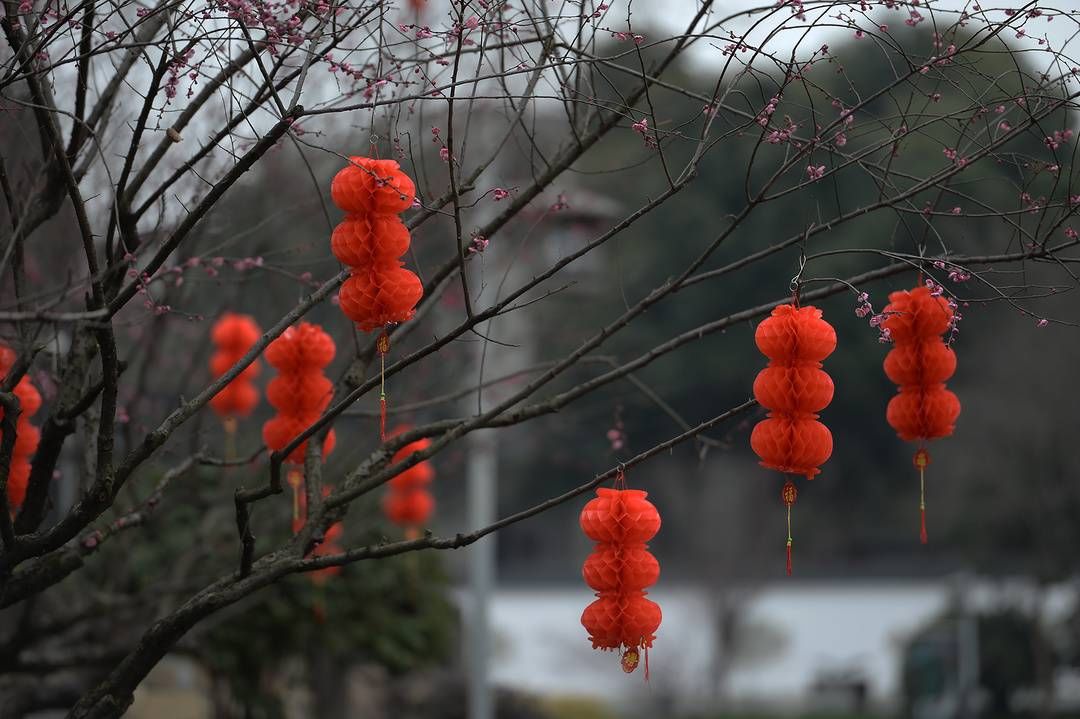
x=1042, y=323
x=444, y=154
x=641, y=126
x=956, y=210
x=499, y=194
x=815, y=173
x=1070, y=233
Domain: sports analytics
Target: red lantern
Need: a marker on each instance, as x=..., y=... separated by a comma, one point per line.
x=370, y=240
x=234, y=335
x=620, y=568
x=920, y=363
x=794, y=388
x=407, y=502
x=299, y=393
x=27, y=435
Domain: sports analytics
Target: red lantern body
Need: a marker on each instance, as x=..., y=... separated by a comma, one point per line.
x=920, y=363
x=300, y=392
x=619, y=570
x=793, y=388
x=371, y=239
x=234, y=335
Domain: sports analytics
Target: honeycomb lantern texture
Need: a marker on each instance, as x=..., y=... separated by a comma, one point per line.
x=370, y=241
x=27, y=435
x=793, y=387
x=620, y=568
x=920, y=363
x=300, y=392
x=407, y=502
x=233, y=335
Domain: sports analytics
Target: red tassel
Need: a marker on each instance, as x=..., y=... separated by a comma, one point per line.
x=646, y=664
x=789, y=558
x=922, y=525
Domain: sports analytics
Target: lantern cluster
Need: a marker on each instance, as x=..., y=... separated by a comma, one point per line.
x=620, y=568
x=27, y=435
x=407, y=502
x=233, y=335
x=794, y=388
x=371, y=240
x=920, y=362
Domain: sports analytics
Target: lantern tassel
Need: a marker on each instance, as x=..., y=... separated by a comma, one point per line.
x=788, y=494
x=789, y=540
x=646, y=663
x=922, y=458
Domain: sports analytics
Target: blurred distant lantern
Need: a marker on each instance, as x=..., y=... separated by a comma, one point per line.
x=234, y=335
x=620, y=568
x=920, y=362
x=299, y=393
x=328, y=546
x=27, y=435
x=371, y=239
x=793, y=387
x=407, y=502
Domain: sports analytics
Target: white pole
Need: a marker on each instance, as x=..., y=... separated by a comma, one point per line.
x=481, y=472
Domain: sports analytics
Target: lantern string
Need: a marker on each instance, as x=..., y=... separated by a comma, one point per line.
x=383, y=346
x=922, y=506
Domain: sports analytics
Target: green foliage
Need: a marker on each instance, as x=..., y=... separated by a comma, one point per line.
x=393, y=611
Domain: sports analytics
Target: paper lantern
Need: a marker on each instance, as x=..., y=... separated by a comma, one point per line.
x=919, y=363
x=407, y=502
x=27, y=436
x=379, y=292
x=233, y=336
x=299, y=393
x=794, y=388
x=620, y=568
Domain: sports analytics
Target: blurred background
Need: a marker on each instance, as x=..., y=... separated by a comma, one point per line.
x=982, y=621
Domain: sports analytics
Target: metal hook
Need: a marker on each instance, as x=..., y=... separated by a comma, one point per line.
x=796, y=282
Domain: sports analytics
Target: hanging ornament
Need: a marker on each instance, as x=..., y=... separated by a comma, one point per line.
x=233, y=335
x=379, y=292
x=920, y=362
x=620, y=568
x=27, y=435
x=299, y=393
x=407, y=502
x=794, y=388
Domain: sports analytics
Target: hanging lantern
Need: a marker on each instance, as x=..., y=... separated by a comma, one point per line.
x=619, y=570
x=920, y=362
x=234, y=335
x=27, y=436
x=794, y=388
x=407, y=502
x=299, y=393
x=371, y=239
